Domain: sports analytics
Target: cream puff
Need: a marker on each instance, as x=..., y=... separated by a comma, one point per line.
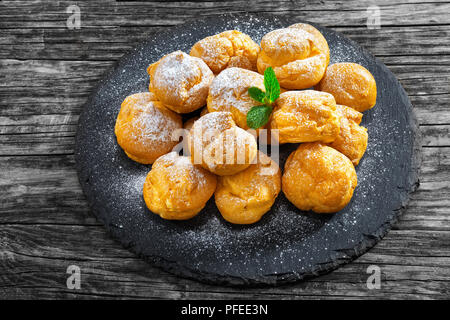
x=221, y=147
x=305, y=116
x=227, y=49
x=243, y=198
x=351, y=85
x=352, y=138
x=176, y=189
x=180, y=81
x=299, y=55
x=145, y=127
x=229, y=92
x=319, y=178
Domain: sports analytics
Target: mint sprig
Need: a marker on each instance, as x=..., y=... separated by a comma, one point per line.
x=258, y=116
x=257, y=94
x=271, y=84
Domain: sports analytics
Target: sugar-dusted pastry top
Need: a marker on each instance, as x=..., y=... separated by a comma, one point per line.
x=305, y=116
x=144, y=127
x=227, y=49
x=219, y=145
x=351, y=85
x=299, y=55
x=180, y=81
x=229, y=92
x=176, y=189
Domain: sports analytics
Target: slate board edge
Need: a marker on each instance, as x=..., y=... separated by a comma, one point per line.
x=266, y=280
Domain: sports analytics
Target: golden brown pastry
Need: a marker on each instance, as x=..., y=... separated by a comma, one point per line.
x=175, y=189
x=304, y=116
x=180, y=81
x=229, y=92
x=351, y=84
x=299, y=55
x=227, y=49
x=318, y=178
x=352, y=138
x=144, y=127
x=220, y=146
x=210, y=126
x=243, y=198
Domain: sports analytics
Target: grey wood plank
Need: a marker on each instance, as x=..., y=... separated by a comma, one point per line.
x=39, y=256
x=98, y=43
x=50, y=14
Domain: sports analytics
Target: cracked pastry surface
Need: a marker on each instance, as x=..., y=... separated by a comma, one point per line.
x=180, y=81
x=229, y=92
x=352, y=138
x=351, y=85
x=144, y=127
x=217, y=144
x=305, y=116
x=243, y=198
x=176, y=189
x=227, y=49
x=299, y=55
x=319, y=178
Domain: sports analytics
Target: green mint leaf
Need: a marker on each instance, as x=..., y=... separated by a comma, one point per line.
x=258, y=116
x=271, y=84
x=256, y=94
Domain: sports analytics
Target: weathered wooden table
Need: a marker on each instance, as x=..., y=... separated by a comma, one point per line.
x=47, y=71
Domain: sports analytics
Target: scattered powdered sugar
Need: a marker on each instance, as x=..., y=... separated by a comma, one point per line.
x=181, y=166
x=209, y=126
x=232, y=146
x=337, y=76
x=287, y=41
x=177, y=73
x=215, y=50
x=151, y=124
x=229, y=89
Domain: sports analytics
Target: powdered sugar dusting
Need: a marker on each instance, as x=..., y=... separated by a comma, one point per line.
x=176, y=72
x=144, y=121
x=230, y=89
x=181, y=166
x=209, y=126
x=181, y=81
x=287, y=43
x=152, y=125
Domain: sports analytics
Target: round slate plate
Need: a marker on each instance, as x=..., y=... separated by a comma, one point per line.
x=287, y=244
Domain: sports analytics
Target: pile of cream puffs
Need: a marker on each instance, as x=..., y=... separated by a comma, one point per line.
x=220, y=151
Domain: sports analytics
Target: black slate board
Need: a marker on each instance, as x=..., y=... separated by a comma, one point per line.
x=286, y=245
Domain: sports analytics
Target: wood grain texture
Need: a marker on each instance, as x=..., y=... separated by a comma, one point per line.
x=47, y=73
